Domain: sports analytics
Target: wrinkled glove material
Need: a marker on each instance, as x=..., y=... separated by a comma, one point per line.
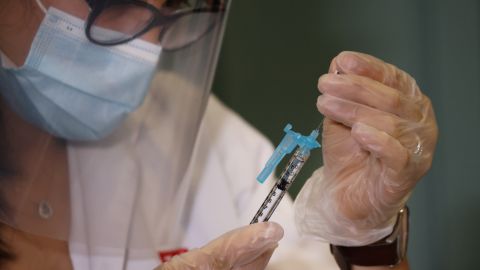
x=248, y=247
x=379, y=136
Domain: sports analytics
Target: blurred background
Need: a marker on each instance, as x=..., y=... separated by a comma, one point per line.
x=274, y=52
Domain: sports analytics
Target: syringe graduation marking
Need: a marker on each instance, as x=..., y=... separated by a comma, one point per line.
x=289, y=142
x=281, y=187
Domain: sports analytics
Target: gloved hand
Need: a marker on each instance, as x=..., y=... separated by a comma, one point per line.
x=379, y=135
x=249, y=247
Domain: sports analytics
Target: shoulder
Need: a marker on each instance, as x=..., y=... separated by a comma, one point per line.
x=229, y=135
x=228, y=125
x=228, y=155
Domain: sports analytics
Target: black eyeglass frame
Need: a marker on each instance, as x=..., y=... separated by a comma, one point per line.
x=158, y=19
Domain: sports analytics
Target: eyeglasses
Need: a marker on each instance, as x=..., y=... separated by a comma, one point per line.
x=181, y=22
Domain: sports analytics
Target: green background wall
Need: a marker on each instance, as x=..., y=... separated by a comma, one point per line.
x=274, y=52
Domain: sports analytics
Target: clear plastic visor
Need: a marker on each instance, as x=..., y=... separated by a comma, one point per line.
x=129, y=189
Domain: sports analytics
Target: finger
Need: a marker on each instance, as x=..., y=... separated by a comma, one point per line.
x=334, y=132
x=245, y=244
x=369, y=92
x=234, y=248
x=381, y=145
x=338, y=145
x=349, y=113
x=259, y=263
x=376, y=69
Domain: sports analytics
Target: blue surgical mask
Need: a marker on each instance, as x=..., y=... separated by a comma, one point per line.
x=74, y=89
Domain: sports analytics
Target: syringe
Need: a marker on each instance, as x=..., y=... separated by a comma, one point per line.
x=289, y=142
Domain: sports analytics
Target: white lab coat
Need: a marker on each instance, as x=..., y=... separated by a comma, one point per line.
x=228, y=155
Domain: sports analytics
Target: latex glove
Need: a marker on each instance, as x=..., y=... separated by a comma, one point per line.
x=249, y=247
x=379, y=135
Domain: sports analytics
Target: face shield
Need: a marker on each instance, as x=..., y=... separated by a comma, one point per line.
x=131, y=188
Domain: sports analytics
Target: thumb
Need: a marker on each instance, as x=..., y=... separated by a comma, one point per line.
x=245, y=244
x=242, y=247
x=260, y=263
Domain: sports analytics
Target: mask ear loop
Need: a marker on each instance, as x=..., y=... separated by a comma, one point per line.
x=41, y=6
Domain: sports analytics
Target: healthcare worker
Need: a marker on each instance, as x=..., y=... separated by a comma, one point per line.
x=115, y=156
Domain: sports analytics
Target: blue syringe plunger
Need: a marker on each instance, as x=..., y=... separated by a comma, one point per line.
x=289, y=142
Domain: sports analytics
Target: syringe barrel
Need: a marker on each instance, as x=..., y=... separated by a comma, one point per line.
x=291, y=171
x=294, y=166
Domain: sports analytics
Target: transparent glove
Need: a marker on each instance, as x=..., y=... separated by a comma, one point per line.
x=379, y=135
x=249, y=247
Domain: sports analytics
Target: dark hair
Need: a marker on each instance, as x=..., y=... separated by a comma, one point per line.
x=6, y=255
